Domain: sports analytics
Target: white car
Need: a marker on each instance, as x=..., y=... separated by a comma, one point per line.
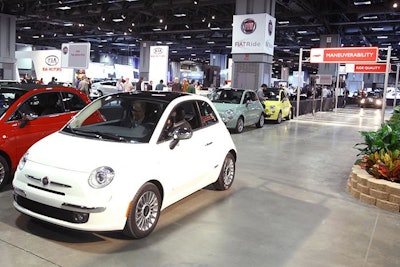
x=103, y=88
x=111, y=169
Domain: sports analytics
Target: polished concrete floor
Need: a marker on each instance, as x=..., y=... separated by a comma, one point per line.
x=288, y=207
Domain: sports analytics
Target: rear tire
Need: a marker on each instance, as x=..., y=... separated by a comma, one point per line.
x=144, y=213
x=4, y=172
x=227, y=174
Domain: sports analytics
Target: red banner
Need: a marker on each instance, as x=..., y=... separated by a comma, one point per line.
x=344, y=55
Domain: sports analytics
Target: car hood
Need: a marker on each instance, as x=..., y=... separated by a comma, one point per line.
x=82, y=154
x=221, y=107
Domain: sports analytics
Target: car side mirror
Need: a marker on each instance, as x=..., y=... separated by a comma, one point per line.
x=25, y=119
x=181, y=133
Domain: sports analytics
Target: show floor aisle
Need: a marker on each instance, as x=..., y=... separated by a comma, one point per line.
x=288, y=207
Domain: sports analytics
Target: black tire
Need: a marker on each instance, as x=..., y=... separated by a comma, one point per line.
x=227, y=174
x=261, y=121
x=289, y=116
x=144, y=213
x=4, y=172
x=279, y=119
x=239, y=125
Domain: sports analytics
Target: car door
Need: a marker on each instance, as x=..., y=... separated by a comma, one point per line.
x=109, y=87
x=184, y=167
x=252, y=108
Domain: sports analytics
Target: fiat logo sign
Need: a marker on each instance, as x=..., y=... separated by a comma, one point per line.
x=158, y=50
x=52, y=60
x=248, y=26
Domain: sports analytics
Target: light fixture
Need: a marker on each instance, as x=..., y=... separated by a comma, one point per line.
x=117, y=20
x=63, y=7
x=180, y=15
x=187, y=26
x=301, y=32
x=161, y=20
x=377, y=29
x=382, y=37
x=360, y=3
x=370, y=17
x=282, y=22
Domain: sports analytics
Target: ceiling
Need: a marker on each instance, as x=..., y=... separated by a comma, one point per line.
x=194, y=29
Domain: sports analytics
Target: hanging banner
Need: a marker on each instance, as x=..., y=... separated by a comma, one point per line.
x=366, y=68
x=253, y=33
x=344, y=55
x=158, y=65
x=75, y=55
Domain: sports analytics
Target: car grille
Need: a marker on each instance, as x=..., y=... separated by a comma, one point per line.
x=52, y=212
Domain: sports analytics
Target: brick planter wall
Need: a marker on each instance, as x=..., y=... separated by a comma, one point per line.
x=381, y=193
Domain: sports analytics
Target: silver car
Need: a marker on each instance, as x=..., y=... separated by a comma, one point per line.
x=103, y=88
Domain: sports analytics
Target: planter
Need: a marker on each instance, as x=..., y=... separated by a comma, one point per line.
x=381, y=193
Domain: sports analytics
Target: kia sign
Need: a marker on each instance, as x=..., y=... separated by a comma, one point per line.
x=344, y=55
x=366, y=68
x=158, y=64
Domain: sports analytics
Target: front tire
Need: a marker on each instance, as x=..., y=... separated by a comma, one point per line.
x=239, y=125
x=144, y=213
x=289, y=116
x=279, y=119
x=261, y=121
x=227, y=174
x=4, y=172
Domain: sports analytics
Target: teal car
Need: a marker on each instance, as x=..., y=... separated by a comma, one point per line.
x=238, y=108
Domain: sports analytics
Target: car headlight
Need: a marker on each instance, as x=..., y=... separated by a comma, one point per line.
x=379, y=102
x=272, y=108
x=229, y=114
x=23, y=160
x=101, y=177
x=362, y=101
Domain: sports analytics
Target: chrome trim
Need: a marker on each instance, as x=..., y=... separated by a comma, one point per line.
x=77, y=208
x=40, y=180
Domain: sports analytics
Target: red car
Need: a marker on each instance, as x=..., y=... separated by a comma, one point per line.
x=29, y=112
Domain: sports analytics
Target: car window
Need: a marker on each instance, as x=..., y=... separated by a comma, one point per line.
x=72, y=101
x=7, y=98
x=186, y=111
x=208, y=116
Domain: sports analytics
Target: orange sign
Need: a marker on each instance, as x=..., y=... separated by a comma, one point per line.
x=370, y=68
x=344, y=55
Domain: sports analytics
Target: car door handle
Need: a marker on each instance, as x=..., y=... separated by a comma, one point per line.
x=210, y=143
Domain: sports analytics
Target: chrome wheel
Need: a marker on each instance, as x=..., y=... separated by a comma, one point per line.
x=240, y=125
x=4, y=172
x=147, y=211
x=144, y=213
x=227, y=173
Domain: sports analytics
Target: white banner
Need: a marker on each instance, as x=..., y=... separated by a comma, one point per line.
x=75, y=55
x=47, y=64
x=253, y=33
x=158, y=65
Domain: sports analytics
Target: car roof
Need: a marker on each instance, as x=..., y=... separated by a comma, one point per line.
x=30, y=86
x=166, y=96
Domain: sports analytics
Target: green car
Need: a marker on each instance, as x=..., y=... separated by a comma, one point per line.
x=238, y=108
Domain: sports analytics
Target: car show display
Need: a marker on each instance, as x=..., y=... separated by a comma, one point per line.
x=123, y=159
x=277, y=104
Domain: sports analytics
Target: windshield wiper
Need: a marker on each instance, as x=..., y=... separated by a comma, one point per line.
x=99, y=135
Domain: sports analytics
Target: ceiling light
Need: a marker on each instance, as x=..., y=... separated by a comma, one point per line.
x=180, y=15
x=360, y=3
x=156, y=29
x=161, y=20
x=68, y=24
x=118, y=20
x=315, y=39
x=69, y=34
x=195, y=2
x=301, y=32
x=370, y=17
x=377, y=28
x=64, y=7
x=210, y=42
x=395, y=5
x=207, y=51
x=174, y=51
x=186, y=37
x=382, y=37
x=283, y=22
x=215, y=28
x=189, y=47
x=213, y=17
x=166, y=27
x=187, y=26
x=26, y=28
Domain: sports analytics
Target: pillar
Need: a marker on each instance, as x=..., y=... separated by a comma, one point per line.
x=7, y=48
x=251, y=70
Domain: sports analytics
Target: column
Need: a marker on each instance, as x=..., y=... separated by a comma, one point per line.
x=7, y=48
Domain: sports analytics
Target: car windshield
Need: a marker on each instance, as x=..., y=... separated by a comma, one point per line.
x=118, y=117
x=227, y=96
x=7, y=98
x=271, y=94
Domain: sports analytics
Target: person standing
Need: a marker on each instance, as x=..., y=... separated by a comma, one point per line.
x=260, y=94
x=191, y=89
x=185, y=84
x=160, y=86
x=83, y=85
x=176, y=86
x=128, y=85
x=139, y=84
x=150, y=86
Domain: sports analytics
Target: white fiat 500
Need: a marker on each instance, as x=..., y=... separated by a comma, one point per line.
x=123, y=159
